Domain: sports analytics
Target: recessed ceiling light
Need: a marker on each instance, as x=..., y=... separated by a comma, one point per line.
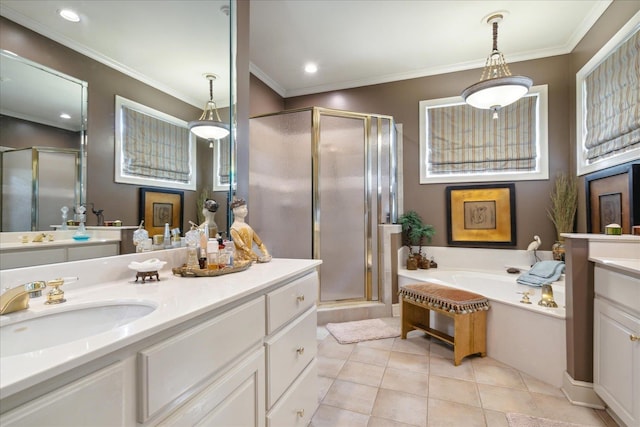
x=65, y=116
x=311, y=68
x=69, y=15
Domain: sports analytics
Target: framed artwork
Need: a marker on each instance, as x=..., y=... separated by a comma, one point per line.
x=481, y=215
x=159, y=207
x=610, y=198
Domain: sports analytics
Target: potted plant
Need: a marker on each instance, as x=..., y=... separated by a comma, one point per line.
x=414, y=233
x=564, y=203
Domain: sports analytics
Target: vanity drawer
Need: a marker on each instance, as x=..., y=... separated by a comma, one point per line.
x=620, y=288
x=170, y=368
x=298, y=404
x=289, y=352
x=289, y=301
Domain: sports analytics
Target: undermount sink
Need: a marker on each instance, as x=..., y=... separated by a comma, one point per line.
x=37, y=333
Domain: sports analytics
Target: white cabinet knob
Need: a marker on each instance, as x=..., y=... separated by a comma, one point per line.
x=634, y=337
x=300, y=298
x=300, y=350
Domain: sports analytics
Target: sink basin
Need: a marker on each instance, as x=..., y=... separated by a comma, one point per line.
x=51, y=329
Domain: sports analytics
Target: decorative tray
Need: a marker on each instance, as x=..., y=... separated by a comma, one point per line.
x=197, y=272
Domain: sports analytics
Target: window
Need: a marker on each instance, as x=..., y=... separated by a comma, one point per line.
x=153, y=148
x=459, y=143
x=608, y=103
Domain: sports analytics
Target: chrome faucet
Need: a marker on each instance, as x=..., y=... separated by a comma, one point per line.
x=16, y=299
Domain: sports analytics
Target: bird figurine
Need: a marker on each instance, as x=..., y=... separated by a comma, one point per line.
x=533, y=247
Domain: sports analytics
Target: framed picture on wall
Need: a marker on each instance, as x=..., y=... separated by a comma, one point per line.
x=159, y=207
x=610, y=198
x=481, y=215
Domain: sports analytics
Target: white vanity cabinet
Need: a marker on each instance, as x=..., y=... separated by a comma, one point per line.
x=250, y=362
x=617, y=342
x=291, y=348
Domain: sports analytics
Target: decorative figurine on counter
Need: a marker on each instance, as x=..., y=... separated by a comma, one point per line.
x=64, y=211
x=209, y=210
x=243, y=235
x=98, y=213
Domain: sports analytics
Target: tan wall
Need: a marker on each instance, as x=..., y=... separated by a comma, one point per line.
x=401, y=100
x=119, y=201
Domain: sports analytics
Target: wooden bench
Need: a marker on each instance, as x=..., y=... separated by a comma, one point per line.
x=468, y=310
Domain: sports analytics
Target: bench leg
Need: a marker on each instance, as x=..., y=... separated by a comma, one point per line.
x=411, y=315
x=470, y=332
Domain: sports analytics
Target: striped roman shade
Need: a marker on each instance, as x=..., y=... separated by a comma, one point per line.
x=462, y=139
x=612, y=101
x=154, y=148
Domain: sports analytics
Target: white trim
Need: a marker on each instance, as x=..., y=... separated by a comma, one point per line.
x=542, y=148
x=121, y=177
x=583, y=167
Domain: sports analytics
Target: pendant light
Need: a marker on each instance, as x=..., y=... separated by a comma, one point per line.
x=209, y=125
x=497, y=88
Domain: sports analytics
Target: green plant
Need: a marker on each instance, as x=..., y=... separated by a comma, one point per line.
x=415, y=231
x=564, y=203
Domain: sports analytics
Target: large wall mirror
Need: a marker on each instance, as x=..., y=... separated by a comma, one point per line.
x=157, y=55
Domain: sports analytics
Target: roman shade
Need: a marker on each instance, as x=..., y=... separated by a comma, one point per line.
x=463, y=139
x=154, y=148
x=612, y=103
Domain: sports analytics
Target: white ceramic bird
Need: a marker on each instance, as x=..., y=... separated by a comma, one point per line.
x=533, y=247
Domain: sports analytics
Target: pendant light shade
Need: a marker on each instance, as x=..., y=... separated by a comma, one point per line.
x=497, y=88
x=209, y=125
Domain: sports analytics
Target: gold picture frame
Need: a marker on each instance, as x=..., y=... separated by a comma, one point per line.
x=481, y=215
x=159, y=206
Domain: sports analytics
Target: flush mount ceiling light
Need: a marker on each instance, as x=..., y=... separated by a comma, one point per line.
x=311, y=68
x=69, y=15
x=209, y=125
x=497, y=88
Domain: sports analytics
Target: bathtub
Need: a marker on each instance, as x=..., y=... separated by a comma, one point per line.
x=528, y=337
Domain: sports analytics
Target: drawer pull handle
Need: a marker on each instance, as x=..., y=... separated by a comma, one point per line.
x=300, y=413
x=634, y=337
x=300, y=350
x=300, y=298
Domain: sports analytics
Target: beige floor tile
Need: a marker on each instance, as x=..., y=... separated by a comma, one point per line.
x=445, y=368
x=559, y=408
x=534, y=385
x=416, y=345
x=398, y=406
x=406, y=381
x=495, y=418
x=329, y=367
x=505, y=376
x=361, y=373
x=371, y=355
x=383, y=344
x=441, y=349
x=324, y=383
x=453, y=390
x=351, y=396
x=322, y=333
x=381, y=422
x=505, y=399
x=329, y=347
x=329, y=416
x=442, y=413
x=408, y=361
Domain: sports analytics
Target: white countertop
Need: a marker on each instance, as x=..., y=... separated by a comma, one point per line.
x=628, y=265
x=177, y=299
x=5, y=246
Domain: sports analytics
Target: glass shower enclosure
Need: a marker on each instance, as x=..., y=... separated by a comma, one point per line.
x=320, y=182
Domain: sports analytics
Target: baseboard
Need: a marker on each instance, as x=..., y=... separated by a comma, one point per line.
x=580, y=393
x=395, y=310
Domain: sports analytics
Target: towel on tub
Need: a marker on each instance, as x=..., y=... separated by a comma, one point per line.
x=542, y=273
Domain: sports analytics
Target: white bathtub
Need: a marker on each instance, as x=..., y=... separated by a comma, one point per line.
x=528, y=337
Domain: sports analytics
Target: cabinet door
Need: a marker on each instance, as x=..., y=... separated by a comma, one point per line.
x=95, y=400
x=617, y=360
x=234, y=400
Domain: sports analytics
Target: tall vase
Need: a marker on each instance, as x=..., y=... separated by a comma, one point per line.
x=557, y=250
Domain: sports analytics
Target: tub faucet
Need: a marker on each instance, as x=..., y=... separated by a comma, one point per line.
x=547, y=297
x=16, y=299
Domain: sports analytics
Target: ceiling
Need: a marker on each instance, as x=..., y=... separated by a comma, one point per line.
x=354, y=42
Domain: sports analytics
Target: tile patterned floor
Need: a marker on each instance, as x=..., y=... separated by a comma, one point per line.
x=412, y=382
